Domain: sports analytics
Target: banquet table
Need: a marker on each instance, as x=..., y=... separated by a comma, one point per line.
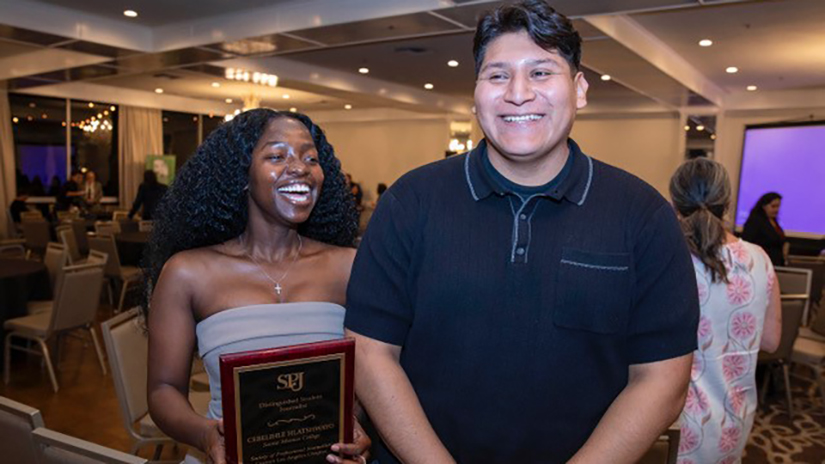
x=20, y=282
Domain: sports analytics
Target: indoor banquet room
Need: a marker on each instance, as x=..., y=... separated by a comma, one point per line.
x=221, y=238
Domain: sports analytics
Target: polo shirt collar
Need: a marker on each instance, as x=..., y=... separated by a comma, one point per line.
x=574, y=187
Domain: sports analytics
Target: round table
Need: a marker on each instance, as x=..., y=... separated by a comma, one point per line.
x=20, y=282
x=130, y=247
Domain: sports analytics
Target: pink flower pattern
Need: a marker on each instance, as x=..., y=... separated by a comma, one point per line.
x=729, y=439
x=739, y=290
x=719, y=408
x=734, y=366
x=743, y=325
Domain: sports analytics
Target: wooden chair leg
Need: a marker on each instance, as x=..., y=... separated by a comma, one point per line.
x=765, y=383
x=48, y=359
x=124, y=288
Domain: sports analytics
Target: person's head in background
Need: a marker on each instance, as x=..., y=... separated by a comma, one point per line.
x=768, y=205
x=90, y=177
x=382, y=187
x=77, y=177
x=149, y=177
x=700, y=191
x=349, y=178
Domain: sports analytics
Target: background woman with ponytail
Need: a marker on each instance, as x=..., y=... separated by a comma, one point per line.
x=740, y=314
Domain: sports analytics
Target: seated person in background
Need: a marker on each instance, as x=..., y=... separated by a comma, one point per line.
x=18, y=205
x=762, y=228
x=92, y=190
x=72, y=193
x=149, y=194
x=258, y=257
x=740, y=314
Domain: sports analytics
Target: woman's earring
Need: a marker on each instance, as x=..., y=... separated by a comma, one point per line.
x=246, y=188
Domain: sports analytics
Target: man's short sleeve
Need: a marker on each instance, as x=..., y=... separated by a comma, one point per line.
x=665, y=312
x=378, y=299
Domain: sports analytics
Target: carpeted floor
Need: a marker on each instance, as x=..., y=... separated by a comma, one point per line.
x=776, y=439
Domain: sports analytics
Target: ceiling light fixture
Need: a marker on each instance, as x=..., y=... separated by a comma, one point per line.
x=751, y=88
x=731, y=70
x=700, y=128
x=228, y=100
x=15, y=119
x=713, y=136
x=606, y=77
x=130, y=13
x=428, y=86
x=293, y=110
x=158, y=90
x=216, y=84
x=364, y=70
x=112, y=108
x=286, y=96
x=687, y=128
x=348, y=107
x=452, y=63
x=705, y=43
x=91, y=105
x=237, y=74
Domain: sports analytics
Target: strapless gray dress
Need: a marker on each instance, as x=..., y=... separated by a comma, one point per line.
x=259, y=327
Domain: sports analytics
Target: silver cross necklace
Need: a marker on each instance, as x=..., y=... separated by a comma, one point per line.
x=278, y=288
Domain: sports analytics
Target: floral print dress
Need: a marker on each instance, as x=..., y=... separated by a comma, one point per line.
x=721, y=400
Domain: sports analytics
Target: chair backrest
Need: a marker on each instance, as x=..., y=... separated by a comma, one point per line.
x=796, y=281
x=792, y=311
x=31, y=216
x=127, y=347
x=128, y=226
x=118, y=215
x=79, y=228
x=67, y=238
x=13, y=251
x=145, y=226
x=17, y=421
x=98, y=257
x=57, y=448
x=36, y=233
x=106, y=244
x=107, y=228
x=817, y=268
x=66, y=215
x=55, y=259
x=77, y=297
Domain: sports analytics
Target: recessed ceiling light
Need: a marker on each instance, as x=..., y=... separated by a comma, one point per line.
x=32, y=105
x=705, y=43
x=216, y=84
x=700, y=128
x=15, y=119
x=158, y=90
x=606, y=77
x=293, y=110
x=731, y=70
x=91, y=105
x=452, y=63
x=286, y=96
x=112, y=108
x=713, y=136
x=751, y=88
x=687, y=128
x=228, y=100
x=364, y=70
x=130, y=13
x=428, y=86
x=347, y=106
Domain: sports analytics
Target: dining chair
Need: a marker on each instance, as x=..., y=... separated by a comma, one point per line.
x=145, y=226
x=58, y=448
x=127, y=347
x=126, y=275
x=793, y=308
x=17, y=421
x=119, y=215
x=665, y=449
x=80, y=235
x=37, y=235
x=12, y=251
x=106, y=228
x=796, y=281
x=31, y=216
x=75, y=306
x=66, y=236
x=55, y=259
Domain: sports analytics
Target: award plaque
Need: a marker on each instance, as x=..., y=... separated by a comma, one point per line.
x=287, y=405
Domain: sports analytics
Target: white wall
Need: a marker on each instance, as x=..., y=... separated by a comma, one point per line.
x=382, y=151
x=649, y=146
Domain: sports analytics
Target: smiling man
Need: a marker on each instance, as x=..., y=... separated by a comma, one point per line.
x=522, y=302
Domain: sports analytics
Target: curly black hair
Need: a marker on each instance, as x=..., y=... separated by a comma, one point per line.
x=207, y=203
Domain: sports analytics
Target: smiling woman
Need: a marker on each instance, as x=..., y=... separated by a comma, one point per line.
x=251, y=249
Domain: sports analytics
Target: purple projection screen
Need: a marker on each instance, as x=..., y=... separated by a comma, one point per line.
x=789, y=160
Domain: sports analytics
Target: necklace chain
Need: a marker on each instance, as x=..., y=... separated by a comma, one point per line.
x=278, y=288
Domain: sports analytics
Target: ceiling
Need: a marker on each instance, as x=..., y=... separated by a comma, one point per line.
x=316, y=47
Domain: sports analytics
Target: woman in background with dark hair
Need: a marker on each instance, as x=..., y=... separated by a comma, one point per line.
x=149, y=194
x=251, y=249
x=763, y=229
x=740, y=314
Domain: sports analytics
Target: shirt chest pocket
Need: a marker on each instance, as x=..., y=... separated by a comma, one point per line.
x=593, y=291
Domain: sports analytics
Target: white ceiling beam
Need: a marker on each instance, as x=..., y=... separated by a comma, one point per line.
x=283, y=17
x=776, y=99
x=339, y=83
x=74, y=24
x=636, y=38
x=43, y=61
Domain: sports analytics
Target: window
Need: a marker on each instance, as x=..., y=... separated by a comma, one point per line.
x=39, y=130
x=180, y=135
x=94, y=142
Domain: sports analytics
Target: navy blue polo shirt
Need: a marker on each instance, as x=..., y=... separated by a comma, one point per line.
x=519, y=317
